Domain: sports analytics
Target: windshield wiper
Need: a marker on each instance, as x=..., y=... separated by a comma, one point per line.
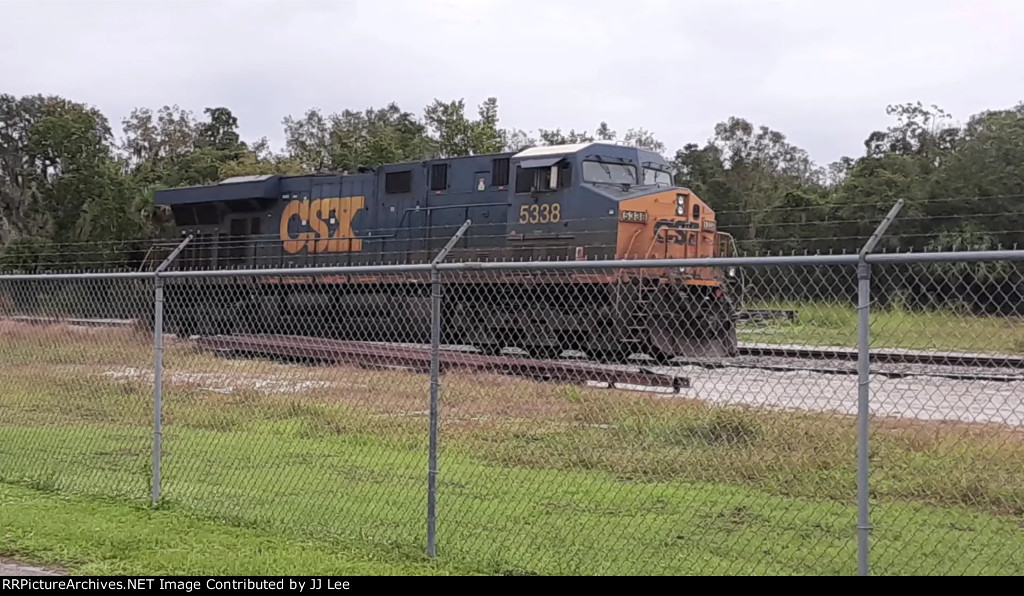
x=623, y=185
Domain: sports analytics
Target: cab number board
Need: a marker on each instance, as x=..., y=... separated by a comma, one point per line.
x=634, y=216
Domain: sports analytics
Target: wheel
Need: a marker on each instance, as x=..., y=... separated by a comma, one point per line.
x=610, y=356
x=489, y=349
x=545, y=352
x=660, y=357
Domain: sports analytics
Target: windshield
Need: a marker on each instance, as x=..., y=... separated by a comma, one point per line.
x=657, y=177
x=609, y=173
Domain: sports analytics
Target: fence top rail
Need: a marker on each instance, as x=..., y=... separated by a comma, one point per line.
x=976, y=256
x=767, y=261
x=82, y=275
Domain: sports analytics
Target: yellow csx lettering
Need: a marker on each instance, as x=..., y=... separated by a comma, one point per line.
x=318, y=216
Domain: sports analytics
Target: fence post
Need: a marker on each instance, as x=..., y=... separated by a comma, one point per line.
x=435, y=388
x=864, y=388
x=158, y=367
x=863, y=412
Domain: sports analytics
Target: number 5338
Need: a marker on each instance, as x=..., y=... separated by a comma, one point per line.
x=543, y=213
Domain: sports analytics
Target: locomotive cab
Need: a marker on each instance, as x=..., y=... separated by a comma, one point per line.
x=609, y=201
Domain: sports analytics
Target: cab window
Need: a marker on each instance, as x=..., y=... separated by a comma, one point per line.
x=539, y=179
x=653, y=177
x=601, y=172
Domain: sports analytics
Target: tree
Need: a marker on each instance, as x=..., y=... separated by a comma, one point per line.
x=308, y=140
x=642, y=138
x=838, y=171
x=345, y=141
x=375, y=137
x=60, y=180
x=904, y=161
x=987, y=158
x=603, y=133
x=745, y=172
x=145, y=140
x=515, y=139
x=918, y=132
x=557, y=137
x=175, y=149
x=449, y=128
x=219, y=132
x=21, y=214
x=454, y=135
x=636, y=137
x=259, y=159
x=486, y=137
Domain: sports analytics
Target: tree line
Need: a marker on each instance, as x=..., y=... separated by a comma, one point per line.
x=67, y=177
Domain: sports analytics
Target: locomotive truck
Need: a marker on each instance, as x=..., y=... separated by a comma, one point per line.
x=588, y=201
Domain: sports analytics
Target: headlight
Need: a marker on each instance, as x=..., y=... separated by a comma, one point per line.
x=732, y=272
x=681, y=200
x=682, y=270
x=680, y=210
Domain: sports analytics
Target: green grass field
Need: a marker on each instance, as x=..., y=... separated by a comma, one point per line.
x=825, y=324
x=89, y=536
x=329, y=464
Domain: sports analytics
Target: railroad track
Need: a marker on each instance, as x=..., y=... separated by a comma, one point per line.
x=944, y=364
x=74, y=322
x=762, y=315
x=947, y=373
x=417, y=358
x=886, y=356
x=583, y=372
x=964, y=367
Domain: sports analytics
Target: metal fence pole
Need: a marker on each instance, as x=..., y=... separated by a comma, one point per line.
x=864, y=389
x=435, y=399
x=158, y=369
x=158, y=378
x=863, y=412
x=435, y=388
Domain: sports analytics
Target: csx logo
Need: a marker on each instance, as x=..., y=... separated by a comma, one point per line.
x=321, y=225
x=676, y=232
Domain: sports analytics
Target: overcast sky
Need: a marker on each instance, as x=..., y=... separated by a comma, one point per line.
x=821, y=71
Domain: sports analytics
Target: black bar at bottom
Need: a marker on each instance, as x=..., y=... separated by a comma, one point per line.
x=176, y=585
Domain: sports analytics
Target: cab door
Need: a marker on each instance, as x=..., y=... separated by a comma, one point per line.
x=237, y=247
x=538, y=211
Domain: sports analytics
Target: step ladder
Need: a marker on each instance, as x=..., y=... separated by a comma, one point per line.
x=639, y=319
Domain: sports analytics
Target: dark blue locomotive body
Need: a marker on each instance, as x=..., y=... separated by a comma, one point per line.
x=586, y=201
x=407, y=212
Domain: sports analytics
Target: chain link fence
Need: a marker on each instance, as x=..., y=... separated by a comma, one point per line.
x=588, y=418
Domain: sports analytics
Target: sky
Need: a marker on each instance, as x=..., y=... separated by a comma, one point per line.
x=820, y=71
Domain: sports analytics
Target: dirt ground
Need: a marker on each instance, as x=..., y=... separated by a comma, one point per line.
x=9, y=568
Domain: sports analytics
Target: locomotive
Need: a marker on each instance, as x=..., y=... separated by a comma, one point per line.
x=587, y=201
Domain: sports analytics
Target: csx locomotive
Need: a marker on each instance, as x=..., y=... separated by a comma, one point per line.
x=589, y=201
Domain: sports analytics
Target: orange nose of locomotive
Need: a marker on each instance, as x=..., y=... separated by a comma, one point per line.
x=669, y=224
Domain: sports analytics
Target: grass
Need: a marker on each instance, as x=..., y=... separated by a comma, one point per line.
x=99, y=537
x=534, y=478
x=829, y=324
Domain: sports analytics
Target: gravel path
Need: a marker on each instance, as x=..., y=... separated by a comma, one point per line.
x=10, y=568
x=922, y=397
x=996, y=396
